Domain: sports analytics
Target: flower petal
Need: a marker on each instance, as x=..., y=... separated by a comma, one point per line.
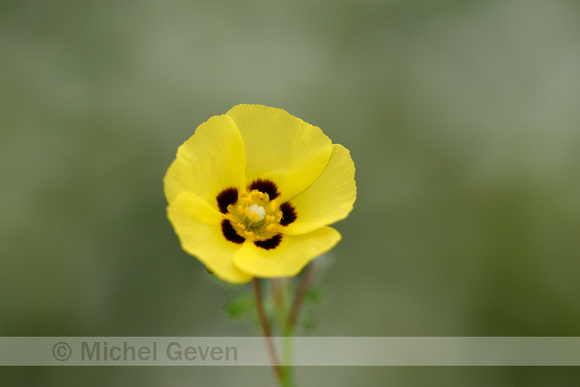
x=211, y=160
x=329, y=199
x=197, y=225
x=289, y=257
x=281, y=148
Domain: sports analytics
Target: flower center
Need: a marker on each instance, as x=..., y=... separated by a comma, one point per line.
x=257, y=212
x=254, y=216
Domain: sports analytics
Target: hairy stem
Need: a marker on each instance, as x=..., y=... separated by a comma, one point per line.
x=301, y=291
x=267, y=333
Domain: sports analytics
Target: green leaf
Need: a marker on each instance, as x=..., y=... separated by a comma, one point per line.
x=313, y=296
x=241, y=306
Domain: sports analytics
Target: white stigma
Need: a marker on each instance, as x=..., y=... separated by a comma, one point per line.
x=258, y=210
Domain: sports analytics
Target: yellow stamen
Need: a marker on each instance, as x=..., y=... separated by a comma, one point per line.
x=255, y=216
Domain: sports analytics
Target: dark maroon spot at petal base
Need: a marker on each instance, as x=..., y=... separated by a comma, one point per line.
x=226, y=197
x=265, y=186
x=288, y=213
x=230, y=234
x=269, y=243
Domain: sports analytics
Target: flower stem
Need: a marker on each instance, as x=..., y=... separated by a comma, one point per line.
x=303, y=286
x=281, y=292
x=267, y=333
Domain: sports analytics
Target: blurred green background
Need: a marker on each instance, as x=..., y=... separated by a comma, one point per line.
x=462, y=118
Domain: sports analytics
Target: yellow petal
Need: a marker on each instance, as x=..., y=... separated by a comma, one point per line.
x=211, y=160
x=289, y=257
x=197, y=226
x=281, y=148
x=329, y=199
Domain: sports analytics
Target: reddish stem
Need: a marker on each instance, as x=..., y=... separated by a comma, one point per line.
x=266, y=329
x=305, y=282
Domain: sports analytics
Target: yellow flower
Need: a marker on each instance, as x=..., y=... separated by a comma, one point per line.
x=252, y=192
